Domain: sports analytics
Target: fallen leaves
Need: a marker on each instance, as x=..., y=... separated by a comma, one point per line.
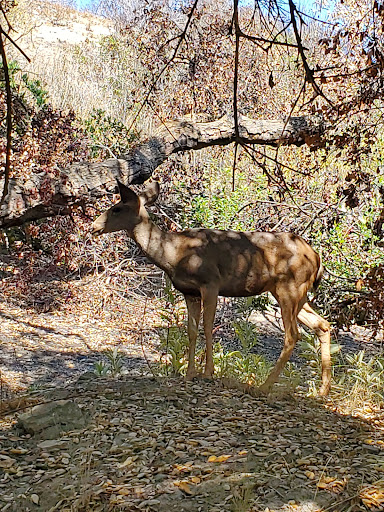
x=331, y=484
x=184, y=486
x=220, y=458
x=373, y=496
x=6, y=462
x=147, y=448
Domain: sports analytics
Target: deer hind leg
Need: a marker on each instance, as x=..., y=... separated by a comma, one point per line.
x=194, y=312
x=209, y=298
x=322, y=328
x=289, y=315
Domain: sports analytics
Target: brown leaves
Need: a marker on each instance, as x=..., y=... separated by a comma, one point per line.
x=147, y=448
x=373, y=496
x=332, y=484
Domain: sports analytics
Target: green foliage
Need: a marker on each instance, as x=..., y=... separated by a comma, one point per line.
x=213, y=212
x=113, y=366
x=171, y=311
x=220, y=207
x=100, y=369
x=173, y=337
x=246, y=367
x=363, y=379
x=246, y=333
x=20, y=83
x=13, y=69
x=115, y=361
x=242, y=498
x=311, y=351
x=239, y=364
x=109, y=136
x=356, y=379
x=35, y=88
x=174, y=341
x=291, y=376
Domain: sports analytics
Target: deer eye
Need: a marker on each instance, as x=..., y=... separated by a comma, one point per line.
x=116, y=210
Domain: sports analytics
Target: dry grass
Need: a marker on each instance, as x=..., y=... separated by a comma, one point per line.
x=74, y=56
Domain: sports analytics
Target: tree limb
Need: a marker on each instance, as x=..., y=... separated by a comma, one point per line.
x=44, y=195
x=7, y=168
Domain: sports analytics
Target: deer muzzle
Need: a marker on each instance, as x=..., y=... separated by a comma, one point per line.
x=97, y=228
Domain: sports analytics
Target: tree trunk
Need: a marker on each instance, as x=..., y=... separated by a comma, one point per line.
x=43, y=195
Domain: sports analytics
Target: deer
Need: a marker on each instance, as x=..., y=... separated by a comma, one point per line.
x=204, y=264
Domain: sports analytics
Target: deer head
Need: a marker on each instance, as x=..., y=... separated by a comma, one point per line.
x=128, y=212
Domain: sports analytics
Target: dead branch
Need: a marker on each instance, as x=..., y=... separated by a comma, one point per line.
x=7, y=168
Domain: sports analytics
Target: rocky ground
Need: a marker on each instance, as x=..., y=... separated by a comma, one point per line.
x=142, y=443
x=161, y=445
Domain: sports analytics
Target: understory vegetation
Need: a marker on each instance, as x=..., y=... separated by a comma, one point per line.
x=96, y=105
x=89, y=326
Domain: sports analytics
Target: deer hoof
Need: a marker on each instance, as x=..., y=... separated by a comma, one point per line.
x=324, y=390
x=263, y=389
x=191, y=376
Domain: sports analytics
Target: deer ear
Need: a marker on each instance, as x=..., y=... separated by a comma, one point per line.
x=126, y=194
x=151, y=193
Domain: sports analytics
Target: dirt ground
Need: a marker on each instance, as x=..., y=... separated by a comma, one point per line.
x=162, y=445
x=159, y=444
x=56, y=347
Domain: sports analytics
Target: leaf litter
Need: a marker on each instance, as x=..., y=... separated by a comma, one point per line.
x=164, y=445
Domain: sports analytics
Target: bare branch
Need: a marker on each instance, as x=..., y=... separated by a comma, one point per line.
x=15, y=44
x=7, y=169
x=308, y=72
x=181, y=38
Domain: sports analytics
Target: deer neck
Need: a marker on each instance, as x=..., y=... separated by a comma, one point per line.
x=158, y=245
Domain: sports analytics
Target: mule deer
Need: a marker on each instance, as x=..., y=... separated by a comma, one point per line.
x=205, y=263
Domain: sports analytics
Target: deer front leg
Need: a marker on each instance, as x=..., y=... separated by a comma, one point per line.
x=290, y=339
x=194, y=311
x=322, y=328
x=209, y=298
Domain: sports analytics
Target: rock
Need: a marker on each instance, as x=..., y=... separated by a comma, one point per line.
x=6, y=462
x=49, y=420
x=52, y=444
x=86, y=377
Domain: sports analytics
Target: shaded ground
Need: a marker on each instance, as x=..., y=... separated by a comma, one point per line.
x=163, y=445
x=56, y=347
x=53, y=348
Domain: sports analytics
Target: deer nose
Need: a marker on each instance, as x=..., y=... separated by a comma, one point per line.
x=96, y=230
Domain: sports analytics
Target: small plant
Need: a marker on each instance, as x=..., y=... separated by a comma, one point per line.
x=362, y=379
x=171, y=312
x=310, y=350
x=174, y=341
x=101, y=369
x=246, y=332
x=291, y=375
x=242, y=499
x=249, y=368
x=173, y=338
x=113, y=366
x=115, y=360
x=225, y=362
x=35, y=88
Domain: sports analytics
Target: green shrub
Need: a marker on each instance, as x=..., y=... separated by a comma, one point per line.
x=109, y=137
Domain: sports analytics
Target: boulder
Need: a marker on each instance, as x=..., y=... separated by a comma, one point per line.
x=48, y=421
